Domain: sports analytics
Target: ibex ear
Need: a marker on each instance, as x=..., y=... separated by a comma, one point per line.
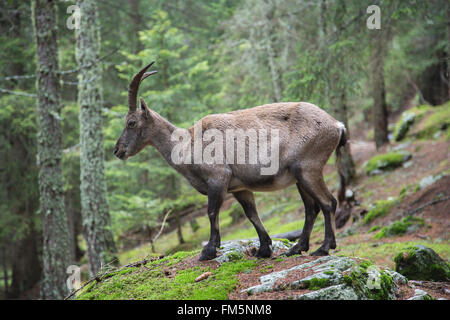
x=144, y=108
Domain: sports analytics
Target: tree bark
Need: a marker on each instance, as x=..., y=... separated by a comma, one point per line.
x=94, y=205
x=380, y=110
x=448, y=49
x=5, y=271
x=136, y=20
x=346, y=165
x=271, y=55
x=56, y=251
x=336, y=95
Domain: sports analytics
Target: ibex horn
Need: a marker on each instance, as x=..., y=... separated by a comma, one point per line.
x=134, y=85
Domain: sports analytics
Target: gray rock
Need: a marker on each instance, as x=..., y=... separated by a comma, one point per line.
x=397, y=277
x=337, y=292
x=235, y=249
x=268, y=280
x=421, y=295
x=429, y=180
x=327, y=276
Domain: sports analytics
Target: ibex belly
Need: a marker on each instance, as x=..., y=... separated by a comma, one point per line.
x=262, y=183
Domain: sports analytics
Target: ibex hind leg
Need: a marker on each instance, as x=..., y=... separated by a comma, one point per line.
x=311, y=211
x=311, y=180
x=247, y=201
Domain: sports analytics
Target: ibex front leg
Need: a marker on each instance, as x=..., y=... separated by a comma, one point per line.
x=247, y=201
x=215, y=199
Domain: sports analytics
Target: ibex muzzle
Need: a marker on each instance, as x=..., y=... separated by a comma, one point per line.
x=307, y=138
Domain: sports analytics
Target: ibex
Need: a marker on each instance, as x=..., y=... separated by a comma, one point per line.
x=307, y=138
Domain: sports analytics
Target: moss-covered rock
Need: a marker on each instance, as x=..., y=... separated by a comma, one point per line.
x=422, y=263
x=161, y=279
x=372, y=283
x=407, y=119
x=387, y=161
x=421, y=295
x=437, y=120
x=335, y=278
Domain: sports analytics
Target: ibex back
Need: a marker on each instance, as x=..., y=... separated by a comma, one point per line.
x=307, y=137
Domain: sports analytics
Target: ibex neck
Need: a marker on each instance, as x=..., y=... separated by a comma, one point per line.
x=162, y=139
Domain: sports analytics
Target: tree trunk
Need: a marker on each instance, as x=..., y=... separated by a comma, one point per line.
x=94, y=205
x=336, y=95
x=346, y=166
x=56, y=251
x=136, y=21
x=5, y=271
x=380, y=111
x=271, y=55
x=26, y=267
x=448, y=49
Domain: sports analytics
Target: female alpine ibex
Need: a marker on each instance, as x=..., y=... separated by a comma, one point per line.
x=307, y=137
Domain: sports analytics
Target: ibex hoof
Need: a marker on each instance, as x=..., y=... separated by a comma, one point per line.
x=320, y=252
x=207, y=254
x=291, y=252
x=264, y=253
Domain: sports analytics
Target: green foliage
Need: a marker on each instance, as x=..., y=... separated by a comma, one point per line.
x=381, y=209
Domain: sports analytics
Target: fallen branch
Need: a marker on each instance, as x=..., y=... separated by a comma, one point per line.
x=162, y=226
x=410, y=213
x=291, y=236
x=98, y=278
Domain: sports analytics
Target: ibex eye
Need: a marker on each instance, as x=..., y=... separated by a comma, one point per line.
x=131, y=124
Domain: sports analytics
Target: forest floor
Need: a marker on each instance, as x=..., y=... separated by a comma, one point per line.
x=283, y=211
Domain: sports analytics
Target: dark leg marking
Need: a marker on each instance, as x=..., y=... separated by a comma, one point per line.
x=311, y=211
x=215, y=200
x=247, y=201
x=312, y=182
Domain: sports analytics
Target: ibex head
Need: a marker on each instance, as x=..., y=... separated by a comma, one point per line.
x=135, y=136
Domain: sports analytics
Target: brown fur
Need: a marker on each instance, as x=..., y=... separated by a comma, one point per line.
x=307, y=134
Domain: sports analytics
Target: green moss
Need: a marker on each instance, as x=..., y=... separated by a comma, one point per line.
x=399, y=227
x=235, y=256
x=285, y=241
x=374, y=228
x=358, y=279
x=421, y=263
x=438, y=120
x=386, y=161
x=150, y=282
x=266, y=268
x=317, y=283
x=381, y=209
